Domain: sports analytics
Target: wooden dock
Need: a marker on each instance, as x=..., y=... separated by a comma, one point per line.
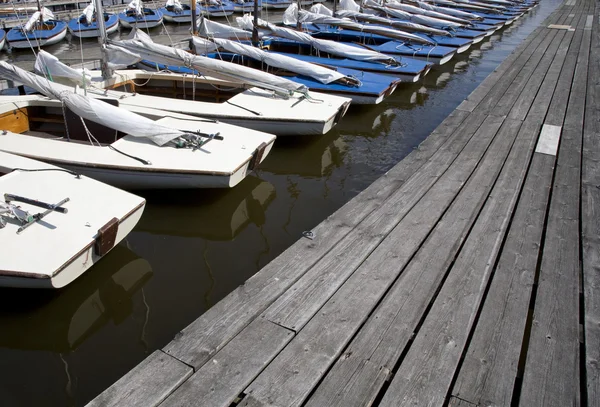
x=468, y=275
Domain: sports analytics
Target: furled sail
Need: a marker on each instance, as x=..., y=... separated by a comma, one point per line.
x=449, y=11
x=386, y=21
x=415, y=18
x=48, y=65
x=88, y=12
x=331, y=47
x=211, y=29
x=174, y=5
x=142, y=47
x=44, y=14
x=92, y=109
x=320, y=73
x=429, y=13
x=350, y=5
x=308, y=17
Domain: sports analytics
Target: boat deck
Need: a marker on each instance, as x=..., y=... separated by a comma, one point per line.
x=465, y=276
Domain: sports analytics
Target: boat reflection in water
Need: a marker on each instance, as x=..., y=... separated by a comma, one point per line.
x=54, y=338
x=61, y=321
x=214, y=215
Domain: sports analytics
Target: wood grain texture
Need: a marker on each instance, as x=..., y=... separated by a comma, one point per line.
x=221, y=380
x=426, y=372
x=590, y=223
x=148, y=384
x=551, y=376
x=290, y=378
x=296, y=306
x=204, y=337
x=488, y=372
x=385, y=335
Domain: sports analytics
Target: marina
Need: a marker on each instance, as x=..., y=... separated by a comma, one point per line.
x=290, y=318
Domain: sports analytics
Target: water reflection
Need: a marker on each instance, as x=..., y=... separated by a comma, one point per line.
x=213, y=215
x=60, y=321
x=306, y=156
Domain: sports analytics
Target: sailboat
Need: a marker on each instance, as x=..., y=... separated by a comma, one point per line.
x=120, y=147
x=175, y=12
x=67, y=220
x=86, y=26
x=361, y=87
x=41, y=30
x=140, y=17
x=216, y=8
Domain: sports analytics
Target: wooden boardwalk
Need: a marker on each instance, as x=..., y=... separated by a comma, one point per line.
x=468, y=275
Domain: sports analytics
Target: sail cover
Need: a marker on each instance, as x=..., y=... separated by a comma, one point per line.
x=210, y=29
x=48, y=65
x=308, y=17
x=429, y=13
x=449, y=11
x=142, y=47
x=45, y=14
x=320, y=73
x=415, y=18
x=92, y=109
x=331, y=47
x=386, y=21
x=175, y=4
x=88, y=12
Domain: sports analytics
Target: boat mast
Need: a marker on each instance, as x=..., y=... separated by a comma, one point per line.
x=41, y=14
x=255, y=27
x=194, y=25
x=106, y=71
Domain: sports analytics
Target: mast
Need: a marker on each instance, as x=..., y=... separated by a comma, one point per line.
x=194, y=25
x=255, y=27
x=106, y=71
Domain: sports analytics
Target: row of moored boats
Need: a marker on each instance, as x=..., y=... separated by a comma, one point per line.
x=199, y=114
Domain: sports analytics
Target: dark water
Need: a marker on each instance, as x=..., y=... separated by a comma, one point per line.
x=192, y=248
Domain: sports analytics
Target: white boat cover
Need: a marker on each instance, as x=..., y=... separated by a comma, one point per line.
x=177, y=7
x=454, y=4
x=45, y=15
x=142, y=47
x=211, y=29
x=88, y=12
x=419, y=11
x=136, y=6
x=350, y=5
x=386, y=21
x=479, y=4
x=320, y=73
x=320, y=8
x=449, y=11
x=93, y=109
x=49, y=66
x=331, y=47
x=308, y=17
x=415, y=18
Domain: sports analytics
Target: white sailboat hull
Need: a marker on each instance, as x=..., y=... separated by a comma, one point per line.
x=94, y=33
x=40, y=42
x=254, y=108
x=63, y=245
x=217, y=164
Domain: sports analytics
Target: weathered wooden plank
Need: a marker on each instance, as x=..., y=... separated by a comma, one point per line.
x=538, y=109
x=527, y=94
x=456, y=402
x=143, y=386
x=489, y=369
x=551, y=376
x=590, y=223
x=290, y=378
x=385, y=335
x=478, y=94
x=221, y=380
x=484, y=100
x=426, y=373
x=296, y=306
x=204, y=337
x=539, y=61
